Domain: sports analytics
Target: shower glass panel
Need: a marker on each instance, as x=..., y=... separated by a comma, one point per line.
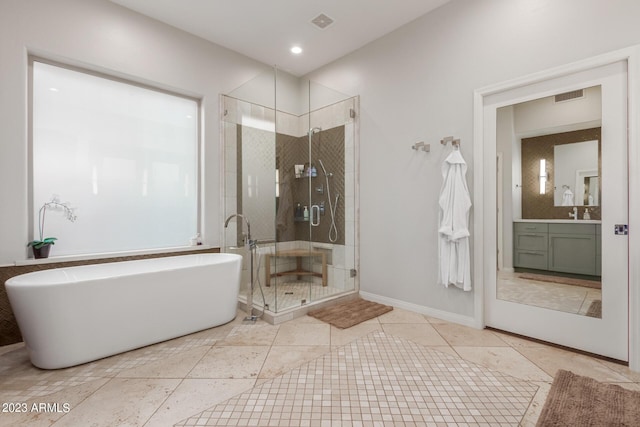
x=290, y=169
x=248, y=128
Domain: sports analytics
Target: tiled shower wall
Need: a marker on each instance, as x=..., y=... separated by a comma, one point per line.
x=328, y=146
x=335, y=145
x=541, y=206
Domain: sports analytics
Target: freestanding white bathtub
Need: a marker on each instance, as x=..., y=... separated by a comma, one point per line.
x=74, y=315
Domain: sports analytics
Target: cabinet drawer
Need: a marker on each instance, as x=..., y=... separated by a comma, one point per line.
x=530, y=259
x=531, y=241
x=530, y=227
x=573, y=229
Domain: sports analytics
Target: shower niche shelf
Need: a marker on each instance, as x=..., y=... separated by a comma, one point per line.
x=305, y=171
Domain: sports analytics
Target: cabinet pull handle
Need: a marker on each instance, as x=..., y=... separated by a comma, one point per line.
x=531, y=253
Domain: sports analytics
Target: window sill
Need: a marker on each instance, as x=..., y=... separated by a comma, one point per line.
x=67, y=258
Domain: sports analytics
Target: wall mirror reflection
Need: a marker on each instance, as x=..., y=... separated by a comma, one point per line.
x=575, y=174
x=549, y=197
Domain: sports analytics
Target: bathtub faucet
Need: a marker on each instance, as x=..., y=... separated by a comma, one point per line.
x=226, y=224
x=252, y=248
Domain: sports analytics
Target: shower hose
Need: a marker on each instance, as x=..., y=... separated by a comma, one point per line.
x=333, y=230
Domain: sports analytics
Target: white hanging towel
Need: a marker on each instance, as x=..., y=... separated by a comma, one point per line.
x=453, y=233
x=567, y=198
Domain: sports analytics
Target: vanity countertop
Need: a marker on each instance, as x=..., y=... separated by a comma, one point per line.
x=561, y=221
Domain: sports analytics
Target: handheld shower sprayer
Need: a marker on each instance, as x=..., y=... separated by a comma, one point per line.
x=333, y=230
x=324, y=169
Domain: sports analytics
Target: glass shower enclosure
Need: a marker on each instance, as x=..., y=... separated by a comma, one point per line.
x=290, y=169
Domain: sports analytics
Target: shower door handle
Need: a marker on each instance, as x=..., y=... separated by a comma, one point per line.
x=315, y=215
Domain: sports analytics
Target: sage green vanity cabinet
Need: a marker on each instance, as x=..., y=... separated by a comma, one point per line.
x=562, y=247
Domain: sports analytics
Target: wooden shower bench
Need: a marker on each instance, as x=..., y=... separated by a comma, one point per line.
x=298, y=254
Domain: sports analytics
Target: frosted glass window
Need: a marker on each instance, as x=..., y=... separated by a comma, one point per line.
x=126, y=157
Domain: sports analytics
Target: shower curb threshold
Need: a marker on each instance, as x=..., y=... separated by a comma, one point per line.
x=295, y=312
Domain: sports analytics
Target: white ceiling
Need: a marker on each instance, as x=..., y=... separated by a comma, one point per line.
x=266, y=29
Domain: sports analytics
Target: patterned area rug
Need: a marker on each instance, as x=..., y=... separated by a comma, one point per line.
x=350, y=313
x=378, y=380
x=575, y=400
x=562, y=280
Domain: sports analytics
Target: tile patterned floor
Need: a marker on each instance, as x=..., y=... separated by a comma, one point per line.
x=20, y=380
x=555, y=296
x=378, y=380
x=400, y=363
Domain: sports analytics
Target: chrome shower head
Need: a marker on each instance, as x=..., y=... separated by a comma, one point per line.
x=314, y=130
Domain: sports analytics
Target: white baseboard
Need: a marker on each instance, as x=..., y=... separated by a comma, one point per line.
x=432, y=312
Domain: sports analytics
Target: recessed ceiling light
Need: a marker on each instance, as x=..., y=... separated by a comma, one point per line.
x=53, y=89
x=296, y=50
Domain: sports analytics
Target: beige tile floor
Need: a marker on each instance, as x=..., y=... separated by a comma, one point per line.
x=554, y=296
x=187, y=380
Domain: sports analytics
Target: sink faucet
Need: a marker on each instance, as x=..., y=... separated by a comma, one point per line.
x=574, y=215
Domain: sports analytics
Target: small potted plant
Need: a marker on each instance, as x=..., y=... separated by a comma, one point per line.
x=42, y=247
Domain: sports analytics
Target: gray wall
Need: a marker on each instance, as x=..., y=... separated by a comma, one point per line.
x=416, y=84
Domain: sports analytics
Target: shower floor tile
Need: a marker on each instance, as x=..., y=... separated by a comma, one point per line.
x=282, y=296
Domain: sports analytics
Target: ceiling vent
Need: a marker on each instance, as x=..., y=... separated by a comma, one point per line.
x=574, y=94
x=322, y=21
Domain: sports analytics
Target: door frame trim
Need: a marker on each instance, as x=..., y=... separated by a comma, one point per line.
x=485, y=245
